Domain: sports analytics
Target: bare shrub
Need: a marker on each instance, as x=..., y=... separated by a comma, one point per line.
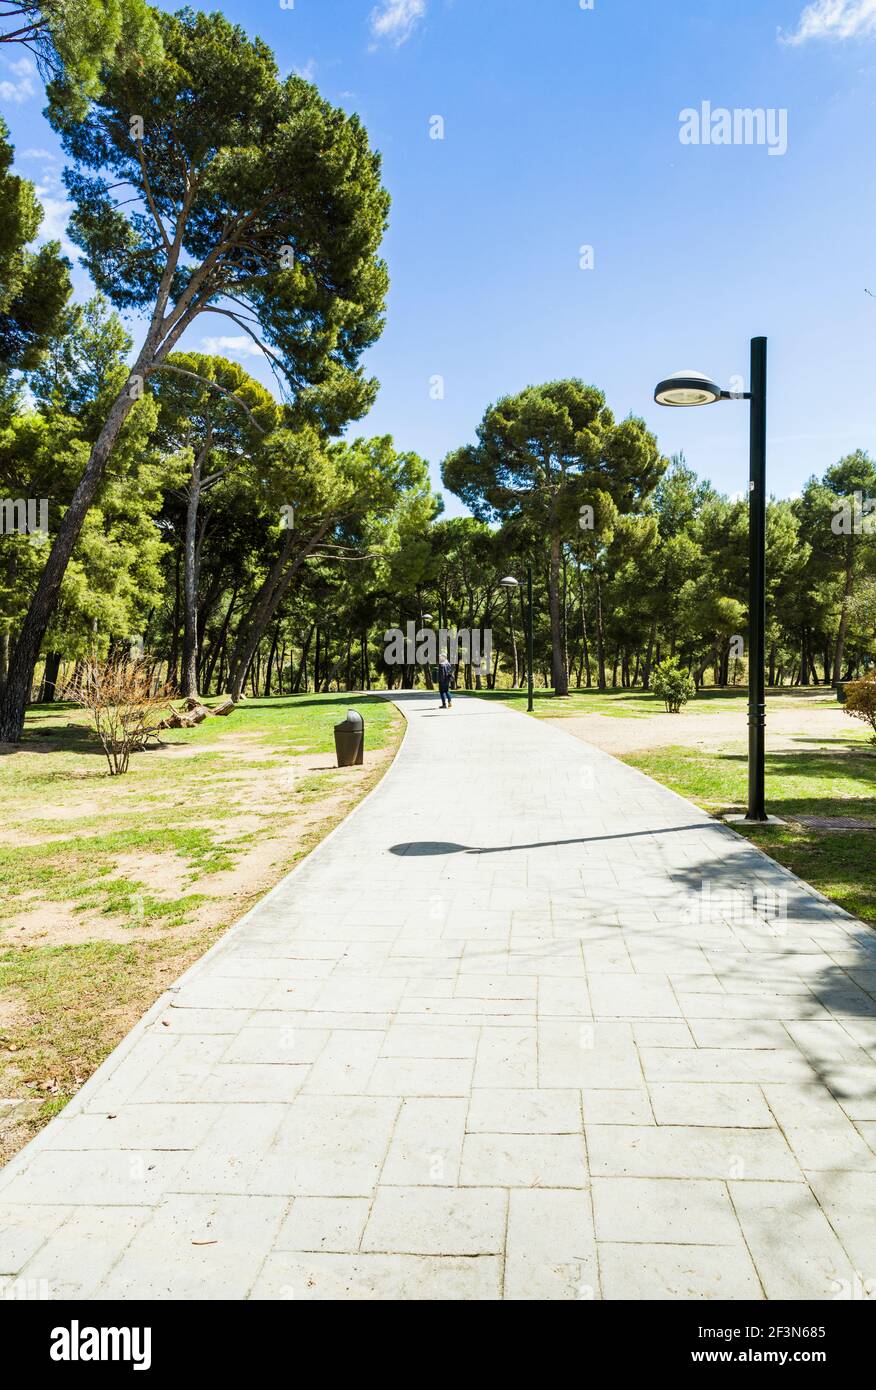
x=124, y=700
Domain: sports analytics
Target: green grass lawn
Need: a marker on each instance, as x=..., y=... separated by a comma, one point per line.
x=111, y=886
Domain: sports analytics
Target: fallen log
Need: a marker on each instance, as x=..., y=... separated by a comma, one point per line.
x=227, y=707
x=185, y=719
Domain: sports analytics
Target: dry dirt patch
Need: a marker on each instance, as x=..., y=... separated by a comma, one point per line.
x=58, y=924
x=269, y=830
x=709, y=732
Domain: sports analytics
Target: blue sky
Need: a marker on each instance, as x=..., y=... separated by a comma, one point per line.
x=561, y=131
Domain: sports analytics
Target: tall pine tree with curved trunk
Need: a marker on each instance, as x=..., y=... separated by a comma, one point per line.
x=541, y=456
x=254, y=200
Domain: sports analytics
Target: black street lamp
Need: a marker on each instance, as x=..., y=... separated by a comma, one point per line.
x=509, y=582
x=692, y=388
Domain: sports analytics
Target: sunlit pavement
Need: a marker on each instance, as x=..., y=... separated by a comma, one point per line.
x=528, y=1025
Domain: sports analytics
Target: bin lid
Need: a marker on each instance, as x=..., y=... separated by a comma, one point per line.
x=353, y=720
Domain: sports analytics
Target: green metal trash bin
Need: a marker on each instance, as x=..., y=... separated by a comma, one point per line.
x=350, y=740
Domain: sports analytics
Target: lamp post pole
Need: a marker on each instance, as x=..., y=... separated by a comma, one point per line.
x=529, y=702
x=757, y=586
x=694, y=389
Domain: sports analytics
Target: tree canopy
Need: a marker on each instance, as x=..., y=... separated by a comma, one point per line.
x=544, y=455
x=34, y=285
x=74, y=40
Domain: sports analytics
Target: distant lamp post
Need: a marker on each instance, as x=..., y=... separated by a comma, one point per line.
x=691, y=389
x=509, y=582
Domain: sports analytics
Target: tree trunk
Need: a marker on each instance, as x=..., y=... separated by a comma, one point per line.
x=646, y=670
x=173, y=651
x=584, y=628
x=564, y=623
x=219, y=646
x=206, y=609
x=50, y=677
x=302, y=668
x=600, y=636
x=271, y=655
x=840, y=647
x=559, y=674
x=189, y=674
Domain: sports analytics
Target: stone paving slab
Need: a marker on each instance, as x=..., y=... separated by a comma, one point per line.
x=526, y=1026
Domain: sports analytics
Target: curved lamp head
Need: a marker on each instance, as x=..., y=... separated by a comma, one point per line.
x=688, y=388
x=509, y=582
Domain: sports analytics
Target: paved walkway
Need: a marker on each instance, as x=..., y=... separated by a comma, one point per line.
x=528, y=1025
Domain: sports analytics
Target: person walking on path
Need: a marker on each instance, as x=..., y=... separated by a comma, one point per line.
x=445, y=675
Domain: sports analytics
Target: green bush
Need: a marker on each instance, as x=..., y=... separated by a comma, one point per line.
x=674, y=686
x=861, y=700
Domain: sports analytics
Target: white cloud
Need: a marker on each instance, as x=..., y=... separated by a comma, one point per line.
x=25, y=71
x=57, y=211
x=396, y=20
x=240, y=346
x=835, y=19
x=307, y=70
